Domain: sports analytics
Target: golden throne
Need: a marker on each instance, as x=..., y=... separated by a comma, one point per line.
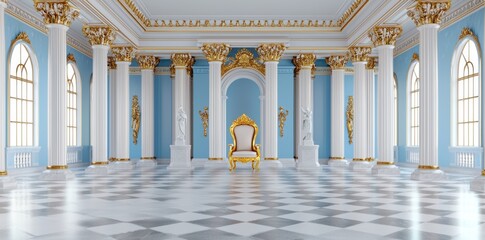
x=244, y=131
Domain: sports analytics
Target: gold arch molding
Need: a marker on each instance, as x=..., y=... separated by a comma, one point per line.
x=243, y=59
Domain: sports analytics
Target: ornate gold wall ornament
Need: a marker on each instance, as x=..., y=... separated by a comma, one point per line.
x=99, y=35
x=465, y=32
x=270, y=51
x=215, y=51
x=147, y=62
x=123, y=53
x=415, y=57
x=371, y=63
x=204, y=116
x=135, y=118
x=337, y=61
x=385, y=35
x=181, y=59
x=283, y=113
x=243, y=59
x=360, y=54
x=56, y=11
x=428, y=11
x=350, y=119
x=71, y=58
x=111, y=63
x=22, y=36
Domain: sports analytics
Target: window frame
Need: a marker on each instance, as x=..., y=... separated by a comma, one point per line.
x=78, y=101
x=409, y=88
x=35, y=75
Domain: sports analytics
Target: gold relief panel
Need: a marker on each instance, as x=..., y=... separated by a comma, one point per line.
x=111, y=63
x=147, y=62
x=385, y=35
x=215, y=51
x=305, y=60
x=269, y=52
x=204, y=116
x=350, y=119
x=428, y=11
x=371, y=63
x=135, y=118
x=99, y=35
x=283, y=113
x=56, y=11
x=71, y=58
x=181, y=59
x=243, y=59
x=337, y=61
x=22, y=36
x=123, y=53
x=360, y=54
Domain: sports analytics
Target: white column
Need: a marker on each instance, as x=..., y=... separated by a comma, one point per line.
x=112, y=106
x=426, y=15
x=147, y=118
x=5, y=181
x=370, y=109
x=271, y=116
x=180, y=98
x=337, y=111
x=188, y=106
x=297, y=112
x=384, y=38
x=215, y=112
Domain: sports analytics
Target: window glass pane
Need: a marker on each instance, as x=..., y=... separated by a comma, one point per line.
x=71, y=103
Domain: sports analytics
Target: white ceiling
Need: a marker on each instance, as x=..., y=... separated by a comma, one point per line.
x=247, y=9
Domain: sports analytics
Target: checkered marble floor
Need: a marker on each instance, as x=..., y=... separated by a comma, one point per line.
x=216, y=204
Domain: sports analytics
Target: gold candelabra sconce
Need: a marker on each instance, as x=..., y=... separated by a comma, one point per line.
x=283, y=113
x=204, y=116
x=135, y=118
x=350, y=118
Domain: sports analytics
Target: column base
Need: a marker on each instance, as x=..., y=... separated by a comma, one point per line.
x=270, y=164
x=217, y=164
x=338, y=163
x=7, y=182
x=360, y=165
x=428, y=174
x=180, y=158
x=120, y=165
x=98, y=168
x=57, y=175
x=147, y=163
x=386, y=169
x=478, y=184
x=308, y=157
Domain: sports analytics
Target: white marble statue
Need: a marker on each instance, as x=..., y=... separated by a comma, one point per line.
x=306, y=128
x=181, y=122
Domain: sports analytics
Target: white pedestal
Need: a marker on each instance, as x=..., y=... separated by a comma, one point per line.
x=307, y=157
x=57, y=175
x=120, y=165
x=339, y=163
x=360, y=165
x=180, y=157
x=216, y=164
x=270, y=164
x=147, y=163
x=7, y=182
x=428, y=175
x=97, y=169
x=385, y=170
x=478, y=184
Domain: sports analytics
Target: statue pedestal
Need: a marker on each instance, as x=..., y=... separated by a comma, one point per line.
x=308, y=157
x=478, y=184
x=180, y=157
x=7, y=182
x=338, y=163
x=57, y=175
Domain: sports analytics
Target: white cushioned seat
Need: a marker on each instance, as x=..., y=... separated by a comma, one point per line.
x=244, y=154
x=244, y=137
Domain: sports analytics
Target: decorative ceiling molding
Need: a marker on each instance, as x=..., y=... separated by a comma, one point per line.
x=449, y=19
x=37, y=23
x=205, y=24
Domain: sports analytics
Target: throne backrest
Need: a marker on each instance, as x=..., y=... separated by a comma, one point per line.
x=244, y=137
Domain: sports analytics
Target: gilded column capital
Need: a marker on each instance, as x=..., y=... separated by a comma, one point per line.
x=271, y=52
x=385, y=35
x=99, y=35
x=56, y=11
x=337, y=61
x=111, y=63
x=428, y=11
x=123, y=53
x=147, y=62
x=371, y=63
x=305, y=60
x=360, y=54
x=215, y=52
x=181, y=59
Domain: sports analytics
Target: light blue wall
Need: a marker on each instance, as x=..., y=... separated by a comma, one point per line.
x=286, y=82
x=200, y=100
x=447, y=40
x=39, y=44
x=163, y=113
x=321, y=112
x=242, y=97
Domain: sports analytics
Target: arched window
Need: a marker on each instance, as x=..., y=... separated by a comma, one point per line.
x=21, y=99
x=395, y=110
x=73, y=101
x=467, y=94
x=413, y=104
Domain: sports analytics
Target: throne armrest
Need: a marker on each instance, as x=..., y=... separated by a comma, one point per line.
x=258, y=151
x=231, y=148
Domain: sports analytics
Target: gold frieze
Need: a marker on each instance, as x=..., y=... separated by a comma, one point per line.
x=243, y=59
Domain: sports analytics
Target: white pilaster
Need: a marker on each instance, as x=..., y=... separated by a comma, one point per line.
x=147, y=119
x=337, y=132
x=5, y=181
x=370, y=78
x=56, y=105
x=113, y=114
x=297, y=115
x=215, y=111
x=271, y=117
x=428, y=110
